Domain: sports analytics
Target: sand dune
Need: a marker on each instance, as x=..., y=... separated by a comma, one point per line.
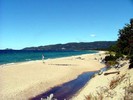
x=100, y=85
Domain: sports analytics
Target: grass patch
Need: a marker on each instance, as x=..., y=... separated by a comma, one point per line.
x=128, y=93
x=99, y=96
x=109, y=91
x=116, y=81
x=128, y=89
x=112, y=63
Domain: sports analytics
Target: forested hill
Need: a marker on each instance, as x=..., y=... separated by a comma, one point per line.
x=75, y=46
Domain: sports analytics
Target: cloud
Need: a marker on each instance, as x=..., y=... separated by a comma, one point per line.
x=93, y=35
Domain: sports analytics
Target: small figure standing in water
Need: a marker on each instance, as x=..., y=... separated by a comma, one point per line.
x=43, y=58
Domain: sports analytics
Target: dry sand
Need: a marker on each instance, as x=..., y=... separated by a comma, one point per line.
x=100, y=85
x=21, y=81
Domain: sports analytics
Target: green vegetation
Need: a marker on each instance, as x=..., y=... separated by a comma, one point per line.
x=110, y=58
x=98, y=45
x=124, y=45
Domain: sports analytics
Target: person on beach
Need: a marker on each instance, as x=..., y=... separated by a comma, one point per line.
x=43, y=58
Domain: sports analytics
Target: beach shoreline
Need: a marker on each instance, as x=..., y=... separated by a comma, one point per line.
x=6, y=62
x=28, y=79
x=28, y=61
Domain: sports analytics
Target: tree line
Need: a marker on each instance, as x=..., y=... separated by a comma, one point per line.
x=124, y=44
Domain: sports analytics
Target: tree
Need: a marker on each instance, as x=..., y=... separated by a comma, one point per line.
x=125, y=40
x=124, y=44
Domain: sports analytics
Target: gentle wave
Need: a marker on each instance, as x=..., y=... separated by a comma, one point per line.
x=14, y=56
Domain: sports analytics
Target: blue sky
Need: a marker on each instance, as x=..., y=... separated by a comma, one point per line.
x=25, y=23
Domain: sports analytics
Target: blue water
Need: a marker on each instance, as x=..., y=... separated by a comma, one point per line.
x=67, y=90
x=14, y=56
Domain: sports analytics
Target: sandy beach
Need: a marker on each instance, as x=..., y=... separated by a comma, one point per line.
x=109, y=87
x=28, y=79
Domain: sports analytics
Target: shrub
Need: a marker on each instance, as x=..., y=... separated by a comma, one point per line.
x=118, y=55
x=131, y=66
x=112, y=63
x=131, y=62
x=110, y=58
x=131, y=59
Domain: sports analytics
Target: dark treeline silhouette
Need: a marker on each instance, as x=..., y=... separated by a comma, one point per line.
x=124, y=44
x=98, y=45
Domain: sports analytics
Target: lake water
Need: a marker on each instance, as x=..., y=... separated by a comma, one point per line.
x=14, y=56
